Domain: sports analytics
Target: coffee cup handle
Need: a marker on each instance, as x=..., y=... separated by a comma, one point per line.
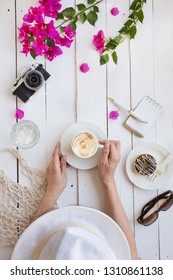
x=100, y=146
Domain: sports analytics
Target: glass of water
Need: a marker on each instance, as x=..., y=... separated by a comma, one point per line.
x=25, y=134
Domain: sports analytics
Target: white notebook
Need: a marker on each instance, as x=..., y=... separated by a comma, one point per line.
x=147, y=109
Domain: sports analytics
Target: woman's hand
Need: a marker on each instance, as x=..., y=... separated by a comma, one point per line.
x=56, y=173
x=56, y=183
x=109, y=160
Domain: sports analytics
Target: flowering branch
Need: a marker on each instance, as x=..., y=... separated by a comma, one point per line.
x=42, y=38
x=129, y=29
x=73, y=16
x=39, y=37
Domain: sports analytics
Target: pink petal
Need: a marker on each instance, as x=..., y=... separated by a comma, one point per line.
x=19, y=114
x=84, y=67
x=114, y=11
x=69, y=31
x=99, y=41
x=114, y=115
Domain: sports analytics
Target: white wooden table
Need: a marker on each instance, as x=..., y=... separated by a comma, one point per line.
x=144, y=68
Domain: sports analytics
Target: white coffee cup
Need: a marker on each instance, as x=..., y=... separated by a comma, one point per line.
x=84, y=144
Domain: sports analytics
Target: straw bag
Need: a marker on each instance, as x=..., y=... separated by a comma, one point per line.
x=18, y=203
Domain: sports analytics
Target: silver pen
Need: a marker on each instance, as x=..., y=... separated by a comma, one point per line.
x=131, y=112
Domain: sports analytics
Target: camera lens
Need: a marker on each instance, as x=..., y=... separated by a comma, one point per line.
x=34, y=79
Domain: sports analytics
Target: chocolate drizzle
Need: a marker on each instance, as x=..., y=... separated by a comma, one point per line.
x=145, y=164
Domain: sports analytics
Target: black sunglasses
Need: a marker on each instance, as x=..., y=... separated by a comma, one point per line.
x=151, y=218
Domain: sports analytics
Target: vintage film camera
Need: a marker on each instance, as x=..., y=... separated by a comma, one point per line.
x=30, y=82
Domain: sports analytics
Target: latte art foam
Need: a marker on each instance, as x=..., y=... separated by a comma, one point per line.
x=84, y=145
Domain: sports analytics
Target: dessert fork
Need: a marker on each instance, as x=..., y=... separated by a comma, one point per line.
x=160, y=168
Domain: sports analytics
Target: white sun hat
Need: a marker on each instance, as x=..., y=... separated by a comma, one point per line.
x=72, y=232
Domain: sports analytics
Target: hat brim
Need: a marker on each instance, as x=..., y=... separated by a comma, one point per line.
x=43, y=225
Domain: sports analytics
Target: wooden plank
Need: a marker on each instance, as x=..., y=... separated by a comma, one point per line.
x=35, y=108
x=7, y=102
x=60, y=109
x=47, y=108
x=163, y=58
x=118, y=81
x=142, y=83
x=91, y=95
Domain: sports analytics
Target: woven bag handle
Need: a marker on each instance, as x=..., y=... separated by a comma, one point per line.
x=33, y=174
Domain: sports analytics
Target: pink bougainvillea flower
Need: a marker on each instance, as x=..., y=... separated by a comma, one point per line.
x=69, y=31
x=23, y=30
x=36, y=29
x=51, y=30
x=65, y=42
x=114, y=115
x=84, y=67
x=115, y=11
x=26, y=47
x=99, y=41
x=52, y=52
x=50, y=26
x=39, y=46
x=34, y=14
x=19, y=114
x=40, y=37
x=51, y=7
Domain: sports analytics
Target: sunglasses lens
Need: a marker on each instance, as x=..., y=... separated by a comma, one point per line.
x=148, y=220
x=167, y=204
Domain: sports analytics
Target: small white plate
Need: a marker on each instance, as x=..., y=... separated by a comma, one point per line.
x=143, y=182
x=72, y=159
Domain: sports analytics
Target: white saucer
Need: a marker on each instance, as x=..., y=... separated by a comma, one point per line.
x=72, y=159
x=143, y=182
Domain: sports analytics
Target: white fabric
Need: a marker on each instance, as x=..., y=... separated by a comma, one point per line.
x=76, y=244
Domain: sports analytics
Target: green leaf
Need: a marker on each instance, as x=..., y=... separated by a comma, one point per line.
x=134, y=15
x=73, y=25
x=75, y=19
x=128, y=22
x=115, y=57
x=50, y=42
x=59, y=16
x=111, y=45
x=104, y=59
x=138, y=6
x=123, y=30
x=133, y=5
x=95, y=9
x=33, y=54
x=92, y=18
x=69, y=12
x=90, y=1
x=132, y=32
x=118, y=39
x=81, y=7
x=83, y=17
x=140, y=16
x=62, y=28
x=31, y=38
